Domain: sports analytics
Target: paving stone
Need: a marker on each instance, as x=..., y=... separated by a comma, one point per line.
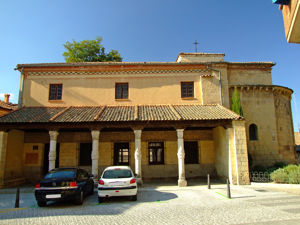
x=160, y=205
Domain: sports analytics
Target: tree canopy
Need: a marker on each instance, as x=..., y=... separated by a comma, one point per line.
x=89, y=51
x=236, y=102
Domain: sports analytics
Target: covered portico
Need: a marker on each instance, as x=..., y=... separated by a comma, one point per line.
x=103, y=125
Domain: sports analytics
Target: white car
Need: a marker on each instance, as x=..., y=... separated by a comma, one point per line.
x=117, y=181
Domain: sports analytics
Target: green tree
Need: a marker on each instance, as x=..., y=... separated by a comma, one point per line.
x=89, y=51
x=236, y=102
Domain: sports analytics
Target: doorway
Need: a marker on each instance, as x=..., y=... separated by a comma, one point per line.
x=121, y=153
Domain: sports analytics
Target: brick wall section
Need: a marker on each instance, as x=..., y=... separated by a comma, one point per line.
x=241, y=151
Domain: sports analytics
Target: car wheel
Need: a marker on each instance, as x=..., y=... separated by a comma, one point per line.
x=41, y=203
x=101, y=199
x=79, y=198
x=133, y=197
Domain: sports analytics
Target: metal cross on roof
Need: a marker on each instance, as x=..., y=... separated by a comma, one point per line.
x=196, y=43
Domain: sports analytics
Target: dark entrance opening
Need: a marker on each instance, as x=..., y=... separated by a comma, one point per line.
x=85, y=158
x=46, y=158
x=121, y=153
x=191, y=152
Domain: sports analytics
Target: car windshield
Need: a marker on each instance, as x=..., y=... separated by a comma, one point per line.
x=61, y=174
x=117, y=173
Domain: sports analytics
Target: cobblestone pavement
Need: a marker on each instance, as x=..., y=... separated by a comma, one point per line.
x=161, y=205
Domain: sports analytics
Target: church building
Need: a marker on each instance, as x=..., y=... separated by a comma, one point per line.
x=163, y=119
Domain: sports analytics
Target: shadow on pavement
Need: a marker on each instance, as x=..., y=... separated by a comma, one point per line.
x=90, y=206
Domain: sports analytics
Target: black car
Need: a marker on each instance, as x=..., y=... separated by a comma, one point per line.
x=64, y=184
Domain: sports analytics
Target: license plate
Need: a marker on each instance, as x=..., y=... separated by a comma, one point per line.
x=117, y=183
x=54, y=196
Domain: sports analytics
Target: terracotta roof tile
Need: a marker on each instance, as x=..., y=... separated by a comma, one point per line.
x=31, y=114
x=118, y=114
x=78, y=114
x=205, y=112
x=156, y=113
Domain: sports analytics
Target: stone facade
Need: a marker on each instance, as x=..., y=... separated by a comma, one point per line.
x=223, y=145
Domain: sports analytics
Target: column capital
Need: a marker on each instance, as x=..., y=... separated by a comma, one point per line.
x=53, y=134
x=138, y=134
x=180, y=133
x=95, y=134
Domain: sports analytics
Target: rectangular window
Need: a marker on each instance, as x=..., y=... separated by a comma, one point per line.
x=121, y=90
x=85, y=155
x=55, y=92
x=156, y=152
x=121, y=153
x=191, y=152
x=187, y=89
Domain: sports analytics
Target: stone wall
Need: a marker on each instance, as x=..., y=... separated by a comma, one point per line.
x=3, y=148
x=241, y=152
x=221, y=149
x=14, y=155
x=258, y=108
x=285, y=130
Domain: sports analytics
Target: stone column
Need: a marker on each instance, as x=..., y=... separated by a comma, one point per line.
x=3, y=147
x=138, y=154
x=52, y=150
x=180, y=153
x=95, y=153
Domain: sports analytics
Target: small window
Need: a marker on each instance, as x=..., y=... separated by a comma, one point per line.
x=121, y=90
x=253, y=132
x=55, y=92
x=187, y=89
x=156, y=152
x=85, y=155
x=191, y=152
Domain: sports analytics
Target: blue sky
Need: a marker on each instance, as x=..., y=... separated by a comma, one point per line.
x=156, y=30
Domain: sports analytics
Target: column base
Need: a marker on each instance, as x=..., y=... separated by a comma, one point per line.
x=182, y=183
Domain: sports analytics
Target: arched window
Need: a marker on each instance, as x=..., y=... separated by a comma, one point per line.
x=253, y=132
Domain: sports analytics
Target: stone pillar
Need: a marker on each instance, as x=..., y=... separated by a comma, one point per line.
x=180, y=153
x=52, y=150
x=241, y=152
x=138, y=154
x=95, y=153
x=3, y=147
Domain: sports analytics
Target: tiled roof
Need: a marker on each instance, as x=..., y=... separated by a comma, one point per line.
x=205, y=112
x=78, y=114
x=155, y=113
x=19, y=66
x=118, y=114
x=30, y=115
x=8, y=105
